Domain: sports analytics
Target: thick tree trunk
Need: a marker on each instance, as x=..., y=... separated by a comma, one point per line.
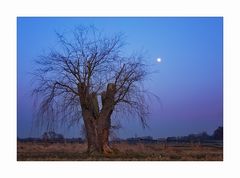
x=91, y=134
x=103, y=135
x=105, y=117
x=97, y=123
x=97, y=132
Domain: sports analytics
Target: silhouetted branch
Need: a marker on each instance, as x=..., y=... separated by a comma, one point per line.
x=92, y=61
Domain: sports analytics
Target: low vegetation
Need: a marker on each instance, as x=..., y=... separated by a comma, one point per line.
x=123, y=151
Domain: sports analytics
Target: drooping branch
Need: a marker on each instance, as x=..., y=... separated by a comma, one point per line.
x=83, y=67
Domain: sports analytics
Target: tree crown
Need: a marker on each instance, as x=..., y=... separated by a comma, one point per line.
x=88, y=63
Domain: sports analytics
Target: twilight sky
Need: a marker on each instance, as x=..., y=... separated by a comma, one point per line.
x=188, y=80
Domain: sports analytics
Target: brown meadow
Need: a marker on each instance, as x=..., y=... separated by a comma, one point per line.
x=123, y=151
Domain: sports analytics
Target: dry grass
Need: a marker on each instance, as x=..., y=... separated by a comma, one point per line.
x=123, y=151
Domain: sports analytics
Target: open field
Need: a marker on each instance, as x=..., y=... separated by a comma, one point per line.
x=122, y=152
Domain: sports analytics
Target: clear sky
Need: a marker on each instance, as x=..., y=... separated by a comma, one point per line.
x=188, y=80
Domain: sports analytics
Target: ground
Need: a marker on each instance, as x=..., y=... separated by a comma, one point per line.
x=122, y=152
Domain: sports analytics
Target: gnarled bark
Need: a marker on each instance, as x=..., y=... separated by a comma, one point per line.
x=97, y=123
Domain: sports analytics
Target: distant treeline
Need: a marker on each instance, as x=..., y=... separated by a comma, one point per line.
x=52, y=137
x=201, y=137
x=40, y=140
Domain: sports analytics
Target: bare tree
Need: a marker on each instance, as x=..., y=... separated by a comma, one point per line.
x=89, y=77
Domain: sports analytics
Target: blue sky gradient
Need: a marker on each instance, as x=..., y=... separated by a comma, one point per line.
x=189, y=80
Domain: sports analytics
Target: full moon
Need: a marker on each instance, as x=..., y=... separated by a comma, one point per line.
x=159, y=60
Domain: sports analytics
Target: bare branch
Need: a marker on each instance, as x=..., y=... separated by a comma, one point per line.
x=79, y=70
